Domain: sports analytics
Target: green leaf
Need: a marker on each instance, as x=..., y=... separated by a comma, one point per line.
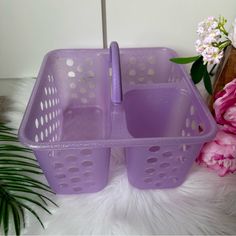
x=4, y=137
x=13, y=155
x=16, y=218
x=197, y=70
x=6, y=219
x=16, y=169
x=18, y=190
x=184, y=60
x=207, y=81
x=8, y=162
x=19, y=178
x=10, y=186
x=21, y=211
x=19, y=185
x=3, y=131
x=33, y=201
x=25, y=190
x=4, y=127
x=2, y=207
x=9, y=147
x=33, y=212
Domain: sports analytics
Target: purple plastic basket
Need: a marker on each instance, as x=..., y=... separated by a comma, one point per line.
x=76, y=114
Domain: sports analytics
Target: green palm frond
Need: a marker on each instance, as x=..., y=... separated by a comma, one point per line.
x=19, y=191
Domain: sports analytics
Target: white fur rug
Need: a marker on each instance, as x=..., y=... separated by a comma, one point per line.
x=204, y=204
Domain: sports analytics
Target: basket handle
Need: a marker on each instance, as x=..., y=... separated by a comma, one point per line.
x=116, y=73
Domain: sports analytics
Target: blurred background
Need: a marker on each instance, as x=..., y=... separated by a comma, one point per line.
x=31, y=28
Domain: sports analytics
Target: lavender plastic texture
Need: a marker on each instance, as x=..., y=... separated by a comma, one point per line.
x=116, y=73
x=86, y=101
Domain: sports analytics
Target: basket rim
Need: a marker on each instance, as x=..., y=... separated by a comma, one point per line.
x=126, y=142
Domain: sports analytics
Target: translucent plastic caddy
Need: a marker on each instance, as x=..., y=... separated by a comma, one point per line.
x=86, y=101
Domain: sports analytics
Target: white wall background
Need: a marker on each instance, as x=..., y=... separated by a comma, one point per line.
x=30, y=28
x=170, y=23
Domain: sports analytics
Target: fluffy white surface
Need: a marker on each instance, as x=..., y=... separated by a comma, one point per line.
x=204, y=204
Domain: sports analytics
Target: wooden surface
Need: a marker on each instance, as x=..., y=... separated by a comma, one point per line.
x=225, y=73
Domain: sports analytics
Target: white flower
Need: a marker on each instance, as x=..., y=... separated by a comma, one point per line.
x=214, y=24
x=200, y=30
x=232, y=34
x=209, y=39
x=212, y=37
x=207, y=26
x=211, y=18
x=200, y=46
x=212, y=55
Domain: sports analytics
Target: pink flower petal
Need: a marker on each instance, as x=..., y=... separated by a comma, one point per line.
x=224, y=138
x=220, y=154
x=225, y=108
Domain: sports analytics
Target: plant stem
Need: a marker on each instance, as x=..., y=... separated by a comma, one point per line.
x=224, y=44
x=212, y=69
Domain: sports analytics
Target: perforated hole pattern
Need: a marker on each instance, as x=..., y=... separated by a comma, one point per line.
x=81, y=75
x=145, y=68
x=76, y=171
x=69, y=171
x=47, y=120
x=193, y=124
x=164, y=166
x=79, y=78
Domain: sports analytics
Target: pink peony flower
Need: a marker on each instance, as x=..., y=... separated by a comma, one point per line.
x=220, y=154
x=225, y=107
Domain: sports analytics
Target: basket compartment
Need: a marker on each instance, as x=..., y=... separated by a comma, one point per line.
x=70, y=103
x=160, y=166
x=162, y=112
x=167, y=113
x=73, y=94
x=75, y=171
